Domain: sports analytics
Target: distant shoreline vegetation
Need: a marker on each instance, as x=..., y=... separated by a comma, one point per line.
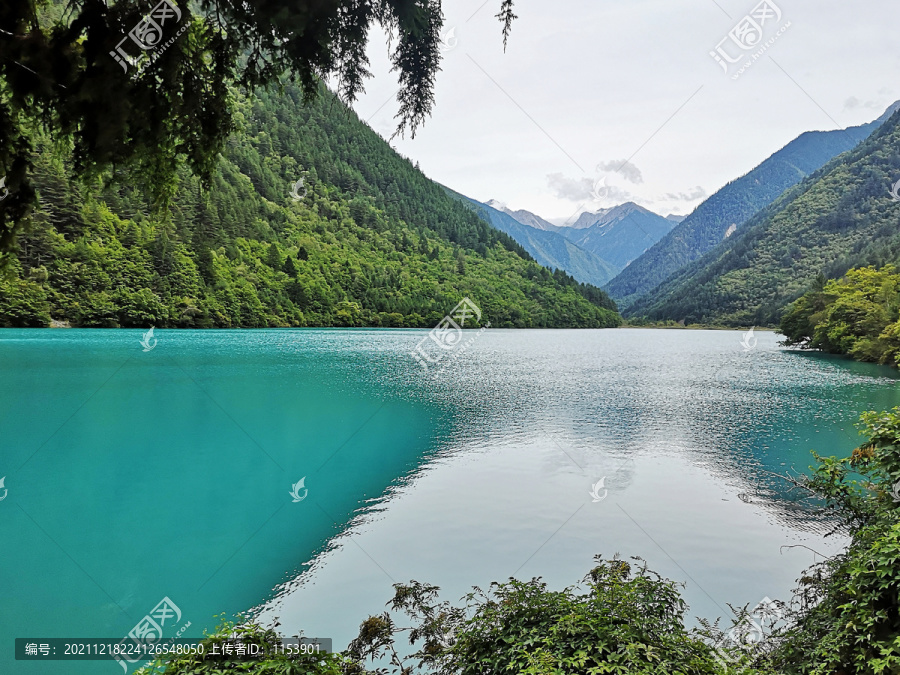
x=678, y=325
x=857, y=315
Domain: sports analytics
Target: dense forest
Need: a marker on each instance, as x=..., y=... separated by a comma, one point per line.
x=857, y=315
x=840, y=217
x=365, y=240
x=729, y=209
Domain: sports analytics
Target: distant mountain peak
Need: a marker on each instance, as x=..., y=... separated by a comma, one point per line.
x=598, y=244
x=548, y=248
x=618, y=234
x=523, y=216
x=614, y=214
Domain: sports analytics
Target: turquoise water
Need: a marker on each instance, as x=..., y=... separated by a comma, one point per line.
x=134, y=476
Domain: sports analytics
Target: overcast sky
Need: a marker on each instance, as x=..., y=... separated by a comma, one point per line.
x=587, y=84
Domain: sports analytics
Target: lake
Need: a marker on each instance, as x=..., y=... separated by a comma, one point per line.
x=134, y=476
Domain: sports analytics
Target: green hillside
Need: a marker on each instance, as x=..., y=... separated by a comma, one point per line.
x=372, y=242
x=729, y=209
x=840, y=217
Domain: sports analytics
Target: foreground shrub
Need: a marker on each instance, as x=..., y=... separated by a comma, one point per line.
x=846, y=613
x=625, y=619
x=248, y=634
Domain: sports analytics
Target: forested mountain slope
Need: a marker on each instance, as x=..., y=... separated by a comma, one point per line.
x=369, y=241
x=728, y=209
x=840, y=217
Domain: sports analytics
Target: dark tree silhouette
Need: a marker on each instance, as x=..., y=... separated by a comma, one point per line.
x=146, y=85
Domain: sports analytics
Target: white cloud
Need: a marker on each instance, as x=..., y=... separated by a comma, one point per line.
x=624, y=168
x=573, y=189
x=854, y=103
x=692, y=195
x=581, y=190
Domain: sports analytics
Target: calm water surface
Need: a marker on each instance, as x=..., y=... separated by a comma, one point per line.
x=134, y=476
